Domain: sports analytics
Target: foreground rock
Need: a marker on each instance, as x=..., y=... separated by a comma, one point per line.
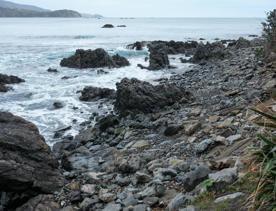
x=91, y=93
x=134, y=95
x=27, y=166
x=94, y=59
x=5, y=79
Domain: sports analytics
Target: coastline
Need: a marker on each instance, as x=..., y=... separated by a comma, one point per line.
x=157, y=158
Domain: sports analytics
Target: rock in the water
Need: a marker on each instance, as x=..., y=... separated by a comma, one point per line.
x=108, y=26
x=27, y=165
x=91, y=93
x=52, y=70
x=6, y=79
x=58, y=105
x=209, y=51
x=93, y=59
x=135, y=95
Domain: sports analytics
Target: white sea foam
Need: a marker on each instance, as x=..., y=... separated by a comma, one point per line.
x=28, y=47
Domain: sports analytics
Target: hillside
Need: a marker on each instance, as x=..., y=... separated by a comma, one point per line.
x=7, y=12
x=11, y=5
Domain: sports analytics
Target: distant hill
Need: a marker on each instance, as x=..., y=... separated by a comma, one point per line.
x=7, y=12
x=85, y=15
x=10, y=9
x=11, y=5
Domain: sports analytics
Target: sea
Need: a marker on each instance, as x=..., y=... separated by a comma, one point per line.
x=29, y=46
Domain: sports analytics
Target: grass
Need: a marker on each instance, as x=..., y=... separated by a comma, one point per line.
x=264, y=196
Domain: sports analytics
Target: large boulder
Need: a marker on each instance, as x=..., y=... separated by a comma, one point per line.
x=91, y=93
x=93, y=59
x=209, y=51
x=158, y=58
x=6, y=79
x=27, y=165
x=140, y=96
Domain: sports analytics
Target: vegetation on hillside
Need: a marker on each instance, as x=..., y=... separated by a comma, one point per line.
x=269, y=32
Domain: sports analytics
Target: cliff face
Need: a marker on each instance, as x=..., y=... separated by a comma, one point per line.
x=8, y=12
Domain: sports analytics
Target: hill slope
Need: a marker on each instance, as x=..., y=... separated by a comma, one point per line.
x=11, y=5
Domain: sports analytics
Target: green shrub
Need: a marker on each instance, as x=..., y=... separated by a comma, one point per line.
x=265, y=193
x=269, y=32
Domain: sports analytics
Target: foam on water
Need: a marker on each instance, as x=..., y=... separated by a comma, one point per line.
x=28, y=47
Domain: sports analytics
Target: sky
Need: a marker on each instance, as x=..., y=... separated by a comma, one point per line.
x=161, y=8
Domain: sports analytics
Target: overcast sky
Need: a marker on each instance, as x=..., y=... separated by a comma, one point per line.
x=162, y=8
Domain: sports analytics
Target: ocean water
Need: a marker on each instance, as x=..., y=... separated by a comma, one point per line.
x=28, y=47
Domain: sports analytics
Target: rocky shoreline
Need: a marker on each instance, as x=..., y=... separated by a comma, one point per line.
x=161, y=143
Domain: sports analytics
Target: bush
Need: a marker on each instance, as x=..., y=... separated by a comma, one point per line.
x=269, y=32
x=265, y=193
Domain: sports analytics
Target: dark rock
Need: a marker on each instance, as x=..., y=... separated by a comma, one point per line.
x=108, y=121
x=60, y=132
x=138, y=46
x=93, y=59
x=209, y=51
x=91, y=93
x=109, y=26
x=191, y=179
x=158, y=58
x=135, y=95
x=242, y=43
x=121, y=26
x=120, y=61
x=172, y=130
x=27, y=165
x=40, y=202
x=6, y=79
x=58, y=105
x=52, y=70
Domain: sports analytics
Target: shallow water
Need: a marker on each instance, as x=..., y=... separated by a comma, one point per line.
x=28, y=47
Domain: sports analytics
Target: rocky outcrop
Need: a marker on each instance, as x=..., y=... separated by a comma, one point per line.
x=135, y=95
x=158, y=58
x=93, y=59
x=5, y=79
x=108, y=26
x=91, y=93
x=209, y=51
x=178, y=47
x=27, y=166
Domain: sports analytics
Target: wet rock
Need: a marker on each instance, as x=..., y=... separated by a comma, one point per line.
x=58, y=105
x=52, y=70
x=6, y=79
x=91, y=93
x=138, y=46
x=134, y=95
x=60, y=132
x=109, y=26
x=180, y=201
x=27, y=164
x=93, y=59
